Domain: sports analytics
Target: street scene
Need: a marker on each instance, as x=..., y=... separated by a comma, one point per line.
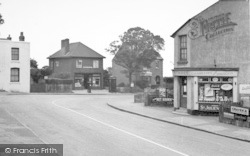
x=116, y=77
x=86, y=125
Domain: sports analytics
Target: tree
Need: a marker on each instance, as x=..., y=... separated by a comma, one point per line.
x=106, y=76
x=33, y=63
x=46, y=70
x=135, y=49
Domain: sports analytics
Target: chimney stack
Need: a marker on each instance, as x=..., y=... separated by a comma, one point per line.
x=21, y=37
x=9, y=38
x=65, y=45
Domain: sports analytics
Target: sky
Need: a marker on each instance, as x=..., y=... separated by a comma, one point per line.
x=95, y=23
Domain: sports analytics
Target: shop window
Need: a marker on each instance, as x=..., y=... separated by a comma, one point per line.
x=96, y=80
x=183, y=48
x=215, y=89
x=78, y=63
x=14, y=53
x=14, y=75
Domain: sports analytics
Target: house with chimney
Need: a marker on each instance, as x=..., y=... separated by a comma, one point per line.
x=81, y=63
x=14, y=65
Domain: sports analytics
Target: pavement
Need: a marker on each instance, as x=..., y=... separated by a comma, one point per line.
x=209, y=124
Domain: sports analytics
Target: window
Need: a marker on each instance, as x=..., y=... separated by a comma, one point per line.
x=215, y=89
x=52, y=64
x=183, y=48
x=78, y=63
x=95, y=64
x=57, y=63
x=14, y=75
x=14, y=53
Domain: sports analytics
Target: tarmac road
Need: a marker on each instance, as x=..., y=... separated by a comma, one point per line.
x=85, y=125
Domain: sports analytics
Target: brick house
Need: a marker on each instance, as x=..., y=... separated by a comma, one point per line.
x=153, y=75
x=211, y=57
x=80, y=63
x=15, y=65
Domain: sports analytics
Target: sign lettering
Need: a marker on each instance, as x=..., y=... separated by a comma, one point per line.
x=240, y=110
x=208, y=107
x=205, y=73
x=240, y=117
x=212, y=27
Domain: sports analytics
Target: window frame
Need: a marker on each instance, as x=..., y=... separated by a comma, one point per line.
x=96, y=64
x=15, y=55
x=13, y=76
x=183, y=48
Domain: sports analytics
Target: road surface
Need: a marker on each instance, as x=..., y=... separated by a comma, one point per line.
x=85, y=125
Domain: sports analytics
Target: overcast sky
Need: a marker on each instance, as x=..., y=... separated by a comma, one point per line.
x=95, y=23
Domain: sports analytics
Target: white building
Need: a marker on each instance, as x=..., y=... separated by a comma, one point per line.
x=15, y=65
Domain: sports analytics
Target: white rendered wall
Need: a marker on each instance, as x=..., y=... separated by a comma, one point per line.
x=6, y=64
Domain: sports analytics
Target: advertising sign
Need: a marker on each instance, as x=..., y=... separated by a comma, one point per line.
x=207, y=107
x=240, y=110
x=244, y=89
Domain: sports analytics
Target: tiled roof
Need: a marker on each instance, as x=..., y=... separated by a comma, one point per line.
x=76, y=50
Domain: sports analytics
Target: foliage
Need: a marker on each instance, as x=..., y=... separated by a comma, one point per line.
x=121, y=84
x=141, y=84
x=1, y=19
x=33, y=63
x=62, y=76
x=135, y=49
x=46, y=70
x=35, y=74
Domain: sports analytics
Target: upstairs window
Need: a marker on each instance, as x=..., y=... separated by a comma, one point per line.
x=78, y=63
x=57, y=63
x=95, y=64
x=14, y=53
x=183, y=48
x=14, y=75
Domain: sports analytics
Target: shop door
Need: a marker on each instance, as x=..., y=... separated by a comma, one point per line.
x=183, y=92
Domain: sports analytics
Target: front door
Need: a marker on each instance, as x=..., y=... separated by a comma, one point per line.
x=183, y=92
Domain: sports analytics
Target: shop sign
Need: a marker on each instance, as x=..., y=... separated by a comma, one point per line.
x=212, y=27
x=228, y=115
x=239, y=110
x=244, y=89
x=208, y=107
x=158, y=99
x=226, y=87
x=205, y=73
x=240, y=117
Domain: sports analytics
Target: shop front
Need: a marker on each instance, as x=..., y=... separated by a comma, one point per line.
x=203, y=89
x=83, y=80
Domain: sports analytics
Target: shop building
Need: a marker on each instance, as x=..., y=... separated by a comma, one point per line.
x=15, y=65
x=212, y=57
x=79, y=63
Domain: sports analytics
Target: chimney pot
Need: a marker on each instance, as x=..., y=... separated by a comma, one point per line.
x=21, y=37
x=9, y=38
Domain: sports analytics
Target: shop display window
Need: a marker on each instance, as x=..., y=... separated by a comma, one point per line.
x=215, y=89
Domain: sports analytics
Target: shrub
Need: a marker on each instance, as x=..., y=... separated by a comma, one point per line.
x=121, y=85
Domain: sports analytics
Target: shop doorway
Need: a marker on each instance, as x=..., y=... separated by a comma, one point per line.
x=183, y=92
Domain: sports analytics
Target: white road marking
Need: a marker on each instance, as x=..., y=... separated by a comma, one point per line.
x=121, y=130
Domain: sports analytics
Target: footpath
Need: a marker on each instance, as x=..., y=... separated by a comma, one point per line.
x=209, y=124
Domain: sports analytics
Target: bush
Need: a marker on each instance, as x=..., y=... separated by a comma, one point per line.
x=58, y=81
x=121, y=85
x=141, y=84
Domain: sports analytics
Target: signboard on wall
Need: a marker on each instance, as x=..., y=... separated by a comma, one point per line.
x=206, y=73
x=244, y=88
x=212, y=27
